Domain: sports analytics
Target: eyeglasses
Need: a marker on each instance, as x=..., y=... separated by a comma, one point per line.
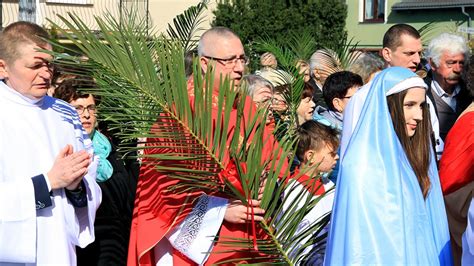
x=90, y=108
x=276, y=101
x=230, y=62
x=263, y=102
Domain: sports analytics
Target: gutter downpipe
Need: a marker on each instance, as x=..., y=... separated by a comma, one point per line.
x=468, y=21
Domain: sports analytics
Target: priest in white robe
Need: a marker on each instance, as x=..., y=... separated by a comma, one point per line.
x=48, y=193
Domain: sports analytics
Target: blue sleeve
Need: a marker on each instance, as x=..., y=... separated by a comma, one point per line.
x=42, y=196
x=77, y=197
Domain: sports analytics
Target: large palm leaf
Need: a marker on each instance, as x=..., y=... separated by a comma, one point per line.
x=186, y=26
x=143, y=86
x=288, y=57
x=302, y=45
x=433, y=29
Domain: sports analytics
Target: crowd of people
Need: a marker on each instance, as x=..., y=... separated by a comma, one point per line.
x=389, y=144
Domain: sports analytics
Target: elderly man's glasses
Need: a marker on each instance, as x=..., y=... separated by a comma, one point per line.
x=81, y=109
x=230, y=62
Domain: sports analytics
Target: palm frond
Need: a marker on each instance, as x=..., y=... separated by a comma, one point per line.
x=302, y=45
x=187, y=25
x=145, y=95
x=432, y=29
x=290, y=75
x=341, y=57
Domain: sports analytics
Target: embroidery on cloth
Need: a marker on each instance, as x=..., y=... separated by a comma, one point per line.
x=40, y=205
x=192, y=225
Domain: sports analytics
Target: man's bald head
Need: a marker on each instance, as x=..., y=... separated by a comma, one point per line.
x=221, y=48
x=211, y=37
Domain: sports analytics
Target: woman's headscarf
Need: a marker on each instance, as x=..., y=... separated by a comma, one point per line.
x=380, y=215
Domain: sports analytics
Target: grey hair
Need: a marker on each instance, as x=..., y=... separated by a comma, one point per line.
x=324, y=58
x=447, y=42
x=315, y=61
x=367, y=64
x=254, y=82
x=215, y=31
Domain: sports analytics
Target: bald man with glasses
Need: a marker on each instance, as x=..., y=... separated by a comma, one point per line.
x=222, y=49
x=185, y=236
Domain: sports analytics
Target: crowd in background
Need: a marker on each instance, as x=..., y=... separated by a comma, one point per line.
x=442, y=69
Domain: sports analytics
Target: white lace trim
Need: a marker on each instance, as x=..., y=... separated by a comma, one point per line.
x=192, y=224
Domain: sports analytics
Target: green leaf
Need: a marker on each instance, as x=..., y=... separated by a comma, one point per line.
x=145, y=96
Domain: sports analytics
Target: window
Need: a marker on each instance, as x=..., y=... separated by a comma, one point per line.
x=72, y=2
x=374, y=10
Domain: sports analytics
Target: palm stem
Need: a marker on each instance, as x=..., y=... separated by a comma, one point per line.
x=269, y=230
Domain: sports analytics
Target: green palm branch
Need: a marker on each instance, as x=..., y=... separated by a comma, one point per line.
x=432, y=29
x=288, y=57
x=142, y=84
x=344, y=53
x=302, y=45
x=186, y=26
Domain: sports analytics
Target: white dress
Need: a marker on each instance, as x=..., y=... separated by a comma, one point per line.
x=32, y=134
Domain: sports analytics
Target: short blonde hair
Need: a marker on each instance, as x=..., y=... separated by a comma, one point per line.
x=18, y=34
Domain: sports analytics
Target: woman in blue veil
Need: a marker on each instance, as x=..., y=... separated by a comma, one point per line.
x=388, y=206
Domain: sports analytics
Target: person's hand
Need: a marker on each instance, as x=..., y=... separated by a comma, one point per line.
x=68, y=168
x=239, y=213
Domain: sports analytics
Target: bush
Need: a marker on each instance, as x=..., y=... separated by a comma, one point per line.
x=253, y=20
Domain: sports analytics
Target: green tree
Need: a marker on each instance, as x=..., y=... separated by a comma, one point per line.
x=253, y=20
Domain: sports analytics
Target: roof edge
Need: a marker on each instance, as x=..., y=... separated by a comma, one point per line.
x=401, y=7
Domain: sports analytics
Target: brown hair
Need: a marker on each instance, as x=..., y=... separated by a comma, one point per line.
x=70, y=89
x=18, y=34
x=417, y=148
x=393, y=37
x=313, y=136
x=307, y=91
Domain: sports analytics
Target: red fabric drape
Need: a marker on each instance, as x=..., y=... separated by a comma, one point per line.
x=158, y=210
x=456, y=167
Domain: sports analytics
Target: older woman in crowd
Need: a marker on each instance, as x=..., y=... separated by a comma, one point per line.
x=367, y=65
x=112, y=224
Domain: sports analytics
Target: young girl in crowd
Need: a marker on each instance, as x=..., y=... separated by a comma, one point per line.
x=316, y=151
x=388, y=203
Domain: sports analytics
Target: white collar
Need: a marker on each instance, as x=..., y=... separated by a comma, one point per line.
x=15, y=96
x=441, y=93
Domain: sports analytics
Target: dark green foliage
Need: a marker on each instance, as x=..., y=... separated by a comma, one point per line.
x=278, y=20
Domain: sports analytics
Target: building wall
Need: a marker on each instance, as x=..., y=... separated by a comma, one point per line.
x=369, y=35
x=161, y=12
x=50, y=9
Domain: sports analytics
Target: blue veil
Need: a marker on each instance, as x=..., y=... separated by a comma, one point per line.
x=379, y=214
